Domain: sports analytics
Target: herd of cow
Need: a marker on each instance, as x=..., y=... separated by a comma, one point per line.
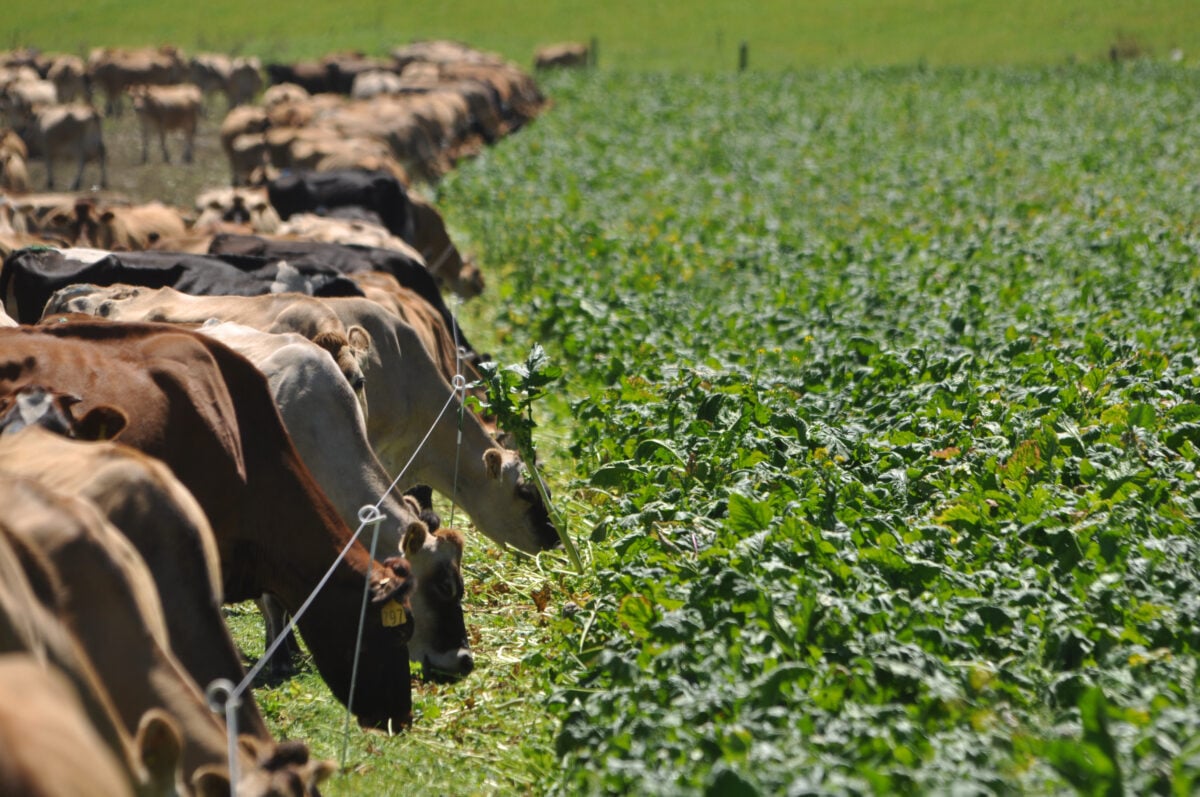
x=197, y=408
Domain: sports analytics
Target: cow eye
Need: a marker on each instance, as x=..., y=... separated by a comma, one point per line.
x=359, y=384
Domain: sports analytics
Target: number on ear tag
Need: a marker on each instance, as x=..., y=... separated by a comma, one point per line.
x=393, y=614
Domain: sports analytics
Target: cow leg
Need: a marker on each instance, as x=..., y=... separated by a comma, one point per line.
x=49, y=172
x=103, y=154
x=79, y=173
x=190, y=142
x=162, y=142
x=275, y=618
x=145, y=143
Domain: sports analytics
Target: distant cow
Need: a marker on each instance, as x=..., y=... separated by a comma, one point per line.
x=115, y=70
x=244, y=81
x=71, y=131
x=168, y=108
x=68, y=73
x=562, y=55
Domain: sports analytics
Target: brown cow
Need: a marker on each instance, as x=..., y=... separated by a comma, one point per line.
x=276, y=531
x=114, y=71
x=441, y=255
x=162, y=109
x=244, y=81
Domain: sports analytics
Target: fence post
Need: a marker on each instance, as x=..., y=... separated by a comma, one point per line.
x=743, y=56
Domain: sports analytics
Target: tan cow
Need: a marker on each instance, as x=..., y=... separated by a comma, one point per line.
x=163, y=109
x=441, y=255
x=136, y=228
x=149, y=762
x=140, y=497
x=48, y=747
x=106, y=598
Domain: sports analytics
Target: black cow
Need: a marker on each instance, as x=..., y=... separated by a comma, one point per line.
x=30, y=276
x=319, y=192
x=346, y=259
x=312, y=76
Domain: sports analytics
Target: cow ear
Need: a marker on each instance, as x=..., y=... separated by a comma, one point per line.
x=318, y=772
x=359, y=338
x=493, y=460
x=413, y=539
x=107, y=216
x=101, y=423
x=398, y=586
x=211, y=780
x=159, y=746
x=410, y=503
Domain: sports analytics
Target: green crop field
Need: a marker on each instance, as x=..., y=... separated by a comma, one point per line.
x=879, y=416
x=879, y=426
x=699, y=36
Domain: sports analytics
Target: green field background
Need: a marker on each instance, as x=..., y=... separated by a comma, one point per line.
x=641, y=34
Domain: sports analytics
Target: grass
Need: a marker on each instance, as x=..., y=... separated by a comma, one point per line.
x=661, y=35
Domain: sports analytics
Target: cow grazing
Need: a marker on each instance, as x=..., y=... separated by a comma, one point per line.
x=490, y=485
x=149, y=761
x=141, y=498
x=442, y=257
x=276, y=531
x=104, y=596
x=163, y=109
x=328, y=428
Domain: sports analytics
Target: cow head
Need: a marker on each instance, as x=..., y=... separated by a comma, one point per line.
x=34, y=405
x=278, y=770
x=439, y=640
x=520, y=516
x=383, y=689
x=350, y=352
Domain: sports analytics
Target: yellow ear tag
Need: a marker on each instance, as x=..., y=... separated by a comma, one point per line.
x=393, y=614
